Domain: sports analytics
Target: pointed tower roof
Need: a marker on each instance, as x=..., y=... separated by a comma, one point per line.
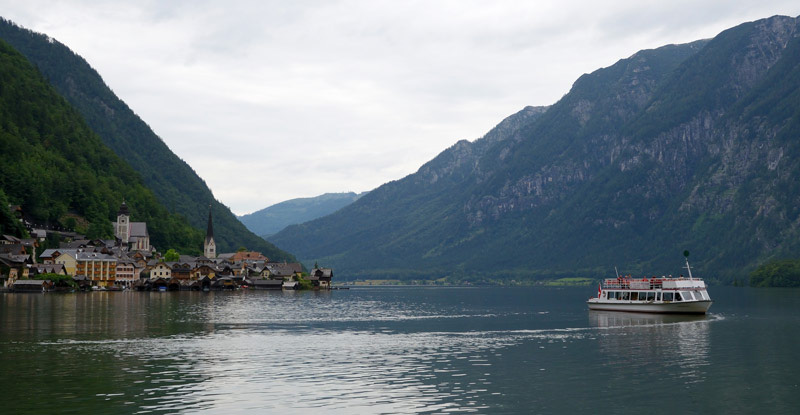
x=123, y=210
x=210, y=231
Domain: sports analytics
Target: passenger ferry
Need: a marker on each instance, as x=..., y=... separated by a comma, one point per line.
x=653, y=295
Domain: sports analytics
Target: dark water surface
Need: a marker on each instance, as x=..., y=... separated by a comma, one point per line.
x=395, y=350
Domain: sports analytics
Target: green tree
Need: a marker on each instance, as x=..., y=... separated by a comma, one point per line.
x=172, y=255
x=8, y=223
x=58, y=279
x=778, y=273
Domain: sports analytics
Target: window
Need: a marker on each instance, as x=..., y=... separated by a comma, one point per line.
x=651, y=296
x=611, y=295
x=667, y=296
x=688, y=296
x=634, y=296
x=626, y=295
x=678, y=297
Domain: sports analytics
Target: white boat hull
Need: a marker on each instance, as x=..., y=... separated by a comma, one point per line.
x=683, y=307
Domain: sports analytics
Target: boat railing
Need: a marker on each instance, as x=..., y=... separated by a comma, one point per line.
x=634, y=284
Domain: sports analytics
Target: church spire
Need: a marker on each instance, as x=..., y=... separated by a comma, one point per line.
x=210, y=231
x=209, y=246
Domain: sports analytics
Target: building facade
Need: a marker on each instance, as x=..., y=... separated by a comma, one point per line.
x=100, y=269
x=132, y=235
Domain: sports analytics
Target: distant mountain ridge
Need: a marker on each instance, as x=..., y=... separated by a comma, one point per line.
x=688, y=146
x=173, y=181
x=272, y=219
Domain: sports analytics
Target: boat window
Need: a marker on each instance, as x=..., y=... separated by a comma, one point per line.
x=678, y=297
x=634, y=296
x=651, y=296
x=612, y=295
x=702, y=295
x=658, y=296
x=688, y=296
x=667, y=296
x=626, y=295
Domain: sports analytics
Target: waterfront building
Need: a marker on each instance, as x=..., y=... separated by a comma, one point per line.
x=67, y=258
x=321, y=277
x=99, y=268
x=126, y=272
x=161, y=270
x=283, y=270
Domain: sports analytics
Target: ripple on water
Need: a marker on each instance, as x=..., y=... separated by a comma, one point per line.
x=298, y=353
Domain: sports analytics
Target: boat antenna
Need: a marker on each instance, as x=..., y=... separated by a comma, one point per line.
x=688, y=268
x=615, y=270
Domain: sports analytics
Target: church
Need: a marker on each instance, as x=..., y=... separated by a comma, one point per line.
x=132, y=235
x=209, y=246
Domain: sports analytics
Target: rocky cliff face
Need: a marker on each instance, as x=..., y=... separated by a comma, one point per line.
x=465, y=155
x=683, y=147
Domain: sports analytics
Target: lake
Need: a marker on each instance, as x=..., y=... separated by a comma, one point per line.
x=395, y=350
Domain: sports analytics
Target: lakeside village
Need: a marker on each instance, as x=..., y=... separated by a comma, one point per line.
x=129, y=262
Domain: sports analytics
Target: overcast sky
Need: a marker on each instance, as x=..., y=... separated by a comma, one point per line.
x=274, y=100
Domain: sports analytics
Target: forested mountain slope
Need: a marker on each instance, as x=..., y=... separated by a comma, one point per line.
x=272, y=219
x=61, y=173
x=689, y=146
x=173, y=181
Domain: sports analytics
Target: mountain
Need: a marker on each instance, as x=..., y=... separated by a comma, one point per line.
x=690, y=146
x=270, y=220
x=175, y=183
x=61, y=173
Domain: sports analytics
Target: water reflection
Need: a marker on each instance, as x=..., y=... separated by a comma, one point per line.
x=295, y=372
x=667, y=345
x=247, y=353
x=366, y=351
x=606, y=319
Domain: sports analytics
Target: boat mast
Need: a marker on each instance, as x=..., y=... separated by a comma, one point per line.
x=688, y=268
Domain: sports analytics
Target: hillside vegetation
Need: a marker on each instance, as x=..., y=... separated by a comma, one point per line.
x=175, y=183
x=272, y=219
x=690, y=146
x=777, y=273
x=61, y=173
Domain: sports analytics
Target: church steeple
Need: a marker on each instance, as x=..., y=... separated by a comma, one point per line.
x=122, y=229
x=210, y=231
x=209, y=247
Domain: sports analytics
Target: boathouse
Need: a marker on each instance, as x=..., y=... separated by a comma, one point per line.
x=265, y=284
x=31, y=286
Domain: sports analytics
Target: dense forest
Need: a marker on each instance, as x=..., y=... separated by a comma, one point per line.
x=9, y=225
x=61, y=173
x=777, y=273
x=175, y=184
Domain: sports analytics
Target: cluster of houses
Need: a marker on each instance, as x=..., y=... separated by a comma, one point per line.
x=130, y=262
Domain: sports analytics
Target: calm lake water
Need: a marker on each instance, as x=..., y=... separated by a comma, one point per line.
x=395, y=350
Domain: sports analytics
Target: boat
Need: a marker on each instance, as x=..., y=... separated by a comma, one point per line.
x=653, y=295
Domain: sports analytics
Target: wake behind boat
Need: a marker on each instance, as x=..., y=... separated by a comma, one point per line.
x=653, y=295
